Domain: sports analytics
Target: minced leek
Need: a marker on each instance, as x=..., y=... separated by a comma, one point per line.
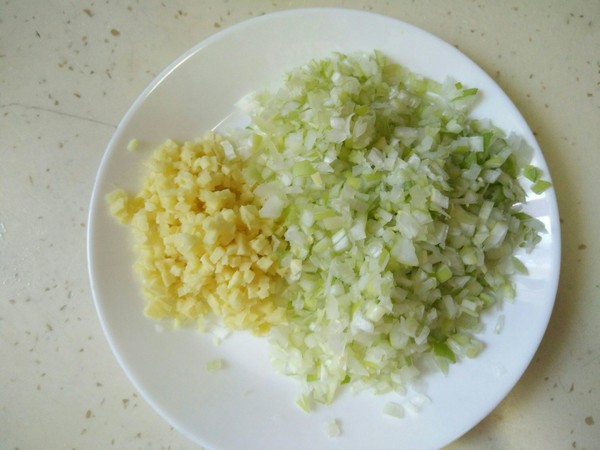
x=403, y=215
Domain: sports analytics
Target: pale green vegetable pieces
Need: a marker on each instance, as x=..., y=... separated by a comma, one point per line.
x=402, y=214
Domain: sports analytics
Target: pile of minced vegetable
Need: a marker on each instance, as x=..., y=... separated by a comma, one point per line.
x=362, y=221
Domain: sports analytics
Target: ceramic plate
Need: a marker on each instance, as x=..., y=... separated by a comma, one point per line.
x=246, y=405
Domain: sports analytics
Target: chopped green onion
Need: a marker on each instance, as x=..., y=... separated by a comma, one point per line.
x=332, y=428
x=540, y=186
x=441, y=349
x=393, y=409
x=214, y=365
x=532, y=173
x=399, y=216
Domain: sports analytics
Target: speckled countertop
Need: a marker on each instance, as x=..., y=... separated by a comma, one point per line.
x=70, y=70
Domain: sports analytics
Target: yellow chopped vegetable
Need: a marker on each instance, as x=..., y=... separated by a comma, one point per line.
x=200, y=241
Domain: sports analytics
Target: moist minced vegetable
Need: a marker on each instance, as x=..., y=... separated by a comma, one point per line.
x=392, y=217
x=202, y=245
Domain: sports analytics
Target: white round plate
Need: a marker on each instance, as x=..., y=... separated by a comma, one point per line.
x=247, y=405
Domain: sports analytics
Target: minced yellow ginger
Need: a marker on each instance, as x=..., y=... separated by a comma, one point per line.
x=201, y=243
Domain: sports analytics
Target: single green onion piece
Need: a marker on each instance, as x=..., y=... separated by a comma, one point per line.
x=332, y=428
x=532, y=173
x=441, y=349
x=303, y=169
x=519, y=266
x=540, y=186
x=399, y=217
x=214, y=365
x=443, y=274
x=393, y=409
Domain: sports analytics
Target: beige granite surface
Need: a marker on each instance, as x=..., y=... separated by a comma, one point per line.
x=69, y=70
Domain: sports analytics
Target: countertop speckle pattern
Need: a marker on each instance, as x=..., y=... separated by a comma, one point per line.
x=68, y=73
